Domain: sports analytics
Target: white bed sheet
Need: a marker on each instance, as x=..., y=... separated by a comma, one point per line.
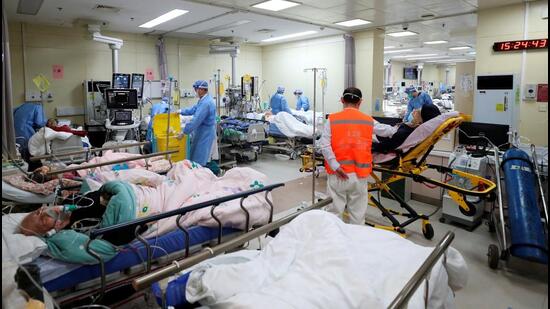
x=317, y=261
x=12, y=193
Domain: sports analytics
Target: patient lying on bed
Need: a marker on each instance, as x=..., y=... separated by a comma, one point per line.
x=387, y=143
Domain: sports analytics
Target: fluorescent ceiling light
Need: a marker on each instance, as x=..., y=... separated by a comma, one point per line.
x=402, y=34
x=289, y=36
x=353, y=23
x=389, y=47
x=460, y=47
x=163, y=18
x=435, y=42
x=397, y=51
x=420, y=55
x=449, y=60
x=275, y=5
x=472, y=53
x=428, y=58
x=29, y=7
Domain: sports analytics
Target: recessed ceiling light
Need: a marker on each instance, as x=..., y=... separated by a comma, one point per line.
x=353, y=23
x=397, y=51
x=460, y=47
x=29, y=7
x=275, y=5
x=163, y=18
x=389, y=47
x=435, y=42
x=402, y=34
x=289, y=36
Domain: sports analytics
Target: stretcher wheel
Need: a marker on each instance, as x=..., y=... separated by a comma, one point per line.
x=469, y=213
x=493, y=255
x=428, y=231
x=301, y=170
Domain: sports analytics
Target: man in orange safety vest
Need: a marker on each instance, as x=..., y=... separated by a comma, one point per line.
x=346, y=146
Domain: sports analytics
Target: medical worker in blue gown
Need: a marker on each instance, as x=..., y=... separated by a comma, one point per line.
x=416, y=101
x=278, y=102
x=302, y=102
x=203, y=125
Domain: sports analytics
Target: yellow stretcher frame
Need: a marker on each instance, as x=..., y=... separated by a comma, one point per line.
x=412, y=164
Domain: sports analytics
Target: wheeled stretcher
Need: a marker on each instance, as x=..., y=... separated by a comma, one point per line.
x=412, y=164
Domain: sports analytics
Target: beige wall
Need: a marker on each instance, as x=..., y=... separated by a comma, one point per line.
x=464, y=94
x=284, y=64
x=507, y=23
x=83, y=59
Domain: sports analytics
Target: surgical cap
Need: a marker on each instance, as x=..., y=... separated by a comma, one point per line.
x=280, y=89
x=200, y=84
x=298, y=91
x=411, y=89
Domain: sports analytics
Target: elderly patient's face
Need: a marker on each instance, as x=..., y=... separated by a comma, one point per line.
x=39, y=222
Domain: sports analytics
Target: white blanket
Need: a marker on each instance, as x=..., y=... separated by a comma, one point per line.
x=290, y=126
x=317, y=261
x=39, y=143
x=308, y=116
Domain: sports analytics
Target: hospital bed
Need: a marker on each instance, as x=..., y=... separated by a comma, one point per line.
x=73, y=285
x=174, y=293
x=279, y=142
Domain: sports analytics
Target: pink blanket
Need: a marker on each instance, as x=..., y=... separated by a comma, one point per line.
x=156, y=164
x=188, y=184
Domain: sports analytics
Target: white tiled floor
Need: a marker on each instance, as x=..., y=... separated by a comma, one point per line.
x=277, y=171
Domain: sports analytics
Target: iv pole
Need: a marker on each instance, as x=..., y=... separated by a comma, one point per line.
x=315, y=70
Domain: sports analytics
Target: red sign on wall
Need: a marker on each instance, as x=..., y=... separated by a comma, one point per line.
x=542, y=93
x=57, y=71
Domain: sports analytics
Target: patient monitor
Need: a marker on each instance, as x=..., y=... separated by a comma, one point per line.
x=121, y=103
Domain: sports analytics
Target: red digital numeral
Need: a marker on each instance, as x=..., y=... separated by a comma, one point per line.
x=525, y=44
x=535, y=43
x=543, y=43
x=505, y=46
x=517, y=45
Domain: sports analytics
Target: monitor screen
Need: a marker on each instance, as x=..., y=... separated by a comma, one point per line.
x=137, y=83
x=496, y=133
x=403, y=84
x=410, y=73
x=121, y=80
x=419, y=88
x=389, y=89
x=121, y=98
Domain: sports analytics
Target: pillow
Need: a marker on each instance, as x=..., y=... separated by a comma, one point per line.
x=18, y=246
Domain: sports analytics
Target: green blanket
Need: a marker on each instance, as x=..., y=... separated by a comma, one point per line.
x=70, y=246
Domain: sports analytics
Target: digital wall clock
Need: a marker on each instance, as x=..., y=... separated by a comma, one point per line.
x=520, y=45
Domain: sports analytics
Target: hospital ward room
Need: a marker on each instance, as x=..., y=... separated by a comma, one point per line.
x=310, y=154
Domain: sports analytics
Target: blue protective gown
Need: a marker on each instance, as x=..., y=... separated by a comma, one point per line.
x=27, y=118
x=416, y=103
x=158, y=108
x=302, y=102
x=202, y=129
x=278, y=104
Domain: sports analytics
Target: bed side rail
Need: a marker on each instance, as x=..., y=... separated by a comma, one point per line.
x=90, y=166
x=87, y=151
x=402, y=299
x=177, y=266
x=183, y=211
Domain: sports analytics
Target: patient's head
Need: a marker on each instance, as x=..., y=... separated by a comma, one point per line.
x=428, y=112
x=52, y=123
x=42, y=220
x=40, y=175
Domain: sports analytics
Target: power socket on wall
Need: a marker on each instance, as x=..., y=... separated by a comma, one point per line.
x=34, y=96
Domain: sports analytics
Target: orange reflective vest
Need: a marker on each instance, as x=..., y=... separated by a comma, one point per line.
x=351, y=141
